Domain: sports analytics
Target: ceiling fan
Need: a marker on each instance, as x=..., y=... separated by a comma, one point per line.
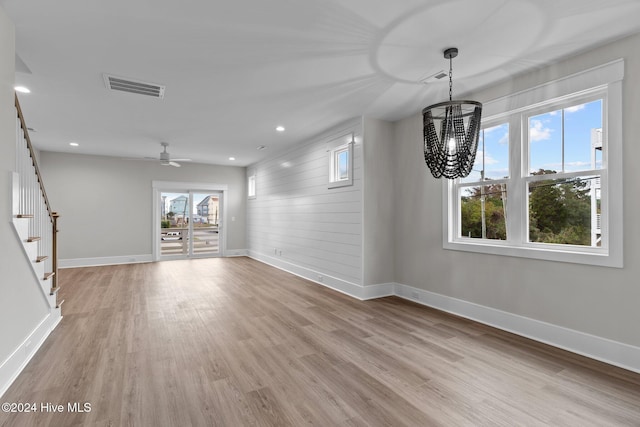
x=165, y=157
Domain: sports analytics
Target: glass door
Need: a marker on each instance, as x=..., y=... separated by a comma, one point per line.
x=190, y=224
x=174, y=224
x=206, y=224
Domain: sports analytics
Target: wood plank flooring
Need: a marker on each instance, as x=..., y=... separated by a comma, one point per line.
x=233, y=342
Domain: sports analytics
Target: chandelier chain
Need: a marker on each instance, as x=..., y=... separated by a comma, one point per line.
x=450, y=78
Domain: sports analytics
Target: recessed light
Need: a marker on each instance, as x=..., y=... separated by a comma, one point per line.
x=280, y=128
x=21, y=89
x=232, y=158
x=73, y=144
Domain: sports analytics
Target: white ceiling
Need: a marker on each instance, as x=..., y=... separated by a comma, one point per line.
x=234, y=70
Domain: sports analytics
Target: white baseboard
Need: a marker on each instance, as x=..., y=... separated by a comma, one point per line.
x=126, y=259
x=111, y=260
x=605, y=350
x=17, y=361
x=235, y=252
x=352, y=289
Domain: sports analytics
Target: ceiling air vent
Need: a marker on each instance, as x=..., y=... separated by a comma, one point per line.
x=132, y=86
x=434, y=77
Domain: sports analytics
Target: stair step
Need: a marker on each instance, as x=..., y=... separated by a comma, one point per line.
x=41, y=258
x=54, y=290
x=49, y=275
x=24, y=216
x=33, y=239
x=59, y=304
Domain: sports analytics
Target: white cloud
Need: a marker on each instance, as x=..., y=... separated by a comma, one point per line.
x=577, y=163
x=568, y=166
x=488, y=160
x=497, y=173
x=505, y=139
x=574, y=108
x=577, y=166
x=537, y=131
x=494, y=128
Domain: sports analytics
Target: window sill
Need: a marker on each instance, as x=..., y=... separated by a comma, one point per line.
x=338, y=184
x=576, y=255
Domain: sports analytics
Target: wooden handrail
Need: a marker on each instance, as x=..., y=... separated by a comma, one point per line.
x=53, y=216
x=23, y=125
x=54, y=252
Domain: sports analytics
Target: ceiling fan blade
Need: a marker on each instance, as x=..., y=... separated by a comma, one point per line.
x=182, y=160
x=177, y=165
x=144, y=159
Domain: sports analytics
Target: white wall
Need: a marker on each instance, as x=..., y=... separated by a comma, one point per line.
x=379, y=210
x=298, y=223
x=595, y=300
x=22, y=306
x=105, y=203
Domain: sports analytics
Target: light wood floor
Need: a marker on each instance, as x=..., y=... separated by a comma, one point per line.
x=233, y=342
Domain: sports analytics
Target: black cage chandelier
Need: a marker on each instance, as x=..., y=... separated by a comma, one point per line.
x=451, y=131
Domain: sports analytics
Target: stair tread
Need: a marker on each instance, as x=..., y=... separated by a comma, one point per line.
x=49, y=275
x=59, y=304
x=42, y=258
x=54, y=290
x=33, y=239
x=24, y=216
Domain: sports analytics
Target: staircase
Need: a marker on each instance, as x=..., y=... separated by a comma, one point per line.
x=35, y=223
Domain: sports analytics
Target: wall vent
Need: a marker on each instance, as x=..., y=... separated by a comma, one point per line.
x=133, y=86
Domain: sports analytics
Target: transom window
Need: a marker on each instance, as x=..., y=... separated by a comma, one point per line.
x=541, y=186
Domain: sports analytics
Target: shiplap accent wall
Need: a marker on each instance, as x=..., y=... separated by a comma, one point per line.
x=296, y=222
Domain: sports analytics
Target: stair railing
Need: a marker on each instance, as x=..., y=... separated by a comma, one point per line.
x=34, y=203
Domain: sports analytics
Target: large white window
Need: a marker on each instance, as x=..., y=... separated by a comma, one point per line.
x=547, y=182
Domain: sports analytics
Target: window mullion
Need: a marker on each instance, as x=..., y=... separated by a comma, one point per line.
x=514, y=194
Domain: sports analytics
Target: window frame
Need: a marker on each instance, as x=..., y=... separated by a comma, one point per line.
x=334, y=179
x=604, y=82
x=251, y=178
